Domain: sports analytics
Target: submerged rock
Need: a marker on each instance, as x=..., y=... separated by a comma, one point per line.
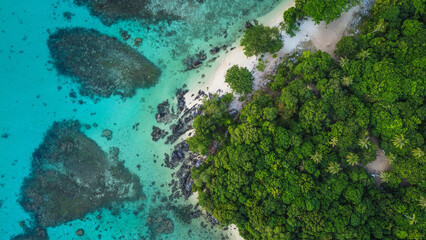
x=180, y=94
x=164, y=115
x=178, y=129
x=71, y=176
x=158, y=133
x=107, y=134
x=32, y=234
x=110, y=11
x=160, y=224
x=79, y=232
x=124, y=34
x=214, y=50
x=137, y=41
x=102, y=65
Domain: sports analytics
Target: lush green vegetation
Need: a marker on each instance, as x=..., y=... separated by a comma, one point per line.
x=291, y=20
x=210, y=127
x=291, y=165
x=260, y=39
x=318, y=10
x=239, y=79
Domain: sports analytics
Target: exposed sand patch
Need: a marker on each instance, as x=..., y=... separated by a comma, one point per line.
x=379, y=165
x=326, y=36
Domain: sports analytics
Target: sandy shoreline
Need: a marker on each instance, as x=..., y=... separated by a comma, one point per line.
x=322, y=37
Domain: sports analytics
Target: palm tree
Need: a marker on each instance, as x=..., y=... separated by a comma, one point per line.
x=364, y=54
x=418, y=153
x=317, y=157
x=363, y=143
x=346, y=81
x=384, y=177
x=333, y=168
x=399, y=141
x=333, y=142
x=412, y=219
x=381, y=26
x=344, y=61
x=352, y=159
x=391, y=158
x=422, y=202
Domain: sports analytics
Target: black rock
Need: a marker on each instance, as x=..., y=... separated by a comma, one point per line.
x=214, y=50
x=178, y=130
x=201, y=56
x=197, y=64
x=67, y=15
x=163, y=112
x=180, y=94
x=79, y=232
x=158, y=133
x=73, y=94
x=248, y=25
x=107, y=134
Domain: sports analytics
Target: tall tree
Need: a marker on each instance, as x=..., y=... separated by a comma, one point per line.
x=260, y=39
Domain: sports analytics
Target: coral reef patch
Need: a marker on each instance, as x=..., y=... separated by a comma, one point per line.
x=111, y=11
x=72, y=176
x=102, y=65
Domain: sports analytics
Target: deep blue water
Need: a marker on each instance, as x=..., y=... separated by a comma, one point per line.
x=33, y=96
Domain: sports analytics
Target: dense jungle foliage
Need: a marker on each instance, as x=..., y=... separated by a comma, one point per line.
x=239, y=79
x=260, y=39
x=291, y=165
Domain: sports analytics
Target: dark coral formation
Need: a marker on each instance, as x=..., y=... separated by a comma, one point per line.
x=32, y=234
x=102, y=65
x=72, y=176
x=160, y=224
x=110, y=11
x=158, y=133
x=164, y=115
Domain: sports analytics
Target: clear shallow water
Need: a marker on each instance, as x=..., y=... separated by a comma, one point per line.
x=30, y=101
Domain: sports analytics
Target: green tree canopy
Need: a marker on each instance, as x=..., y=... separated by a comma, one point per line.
x=261, y=39
x=239, y=79
x=320, y=10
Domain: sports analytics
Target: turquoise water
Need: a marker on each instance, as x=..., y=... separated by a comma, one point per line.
x=33, y=96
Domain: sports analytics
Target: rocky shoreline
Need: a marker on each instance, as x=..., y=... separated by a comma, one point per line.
x=181, y=158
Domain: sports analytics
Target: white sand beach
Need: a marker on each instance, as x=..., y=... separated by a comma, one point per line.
x=322, y=37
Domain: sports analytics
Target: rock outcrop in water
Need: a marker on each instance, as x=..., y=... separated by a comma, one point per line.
x=110, y=11
x=102, y=65
x=158, y=133
x=72, y=176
